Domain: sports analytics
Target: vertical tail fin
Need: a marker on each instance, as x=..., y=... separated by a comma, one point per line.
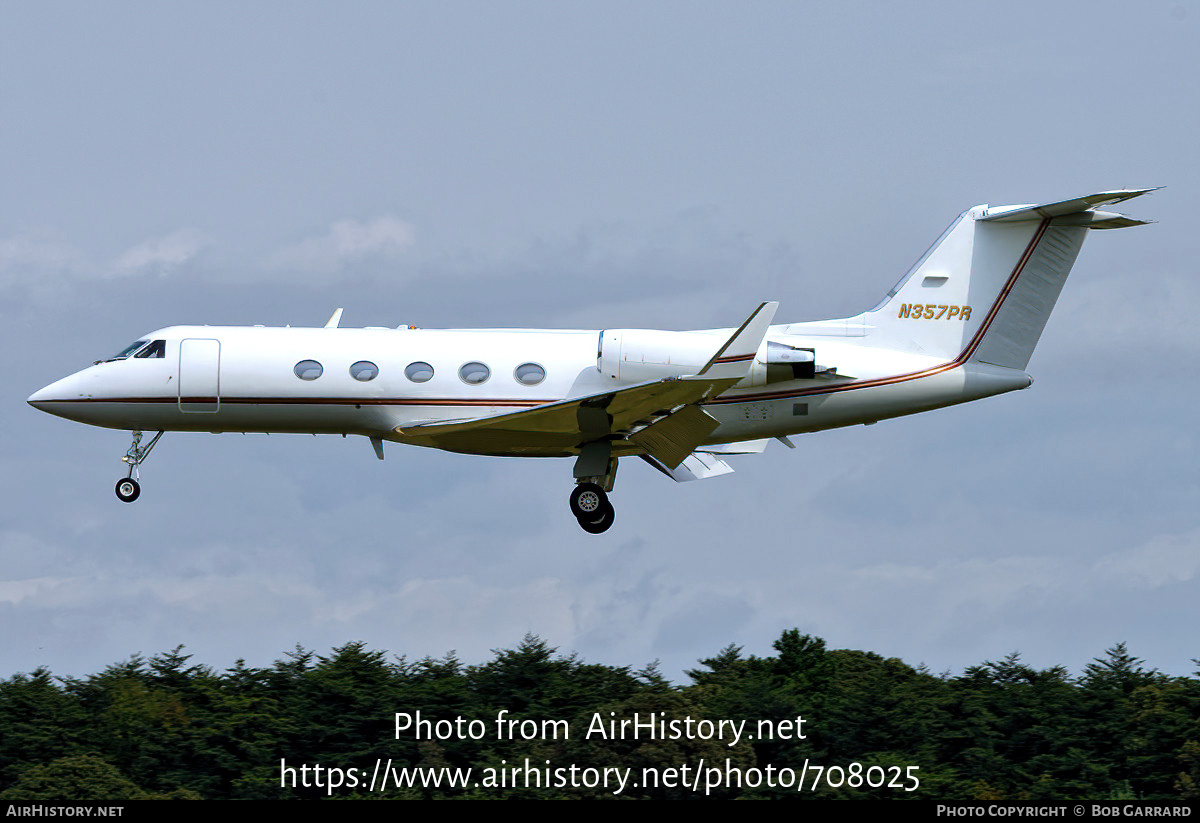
x=985, y=290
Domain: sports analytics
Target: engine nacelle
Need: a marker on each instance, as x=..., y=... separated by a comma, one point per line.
x=778, y=362
x=635, y=355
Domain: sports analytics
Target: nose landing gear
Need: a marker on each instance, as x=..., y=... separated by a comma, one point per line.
x=128, y=489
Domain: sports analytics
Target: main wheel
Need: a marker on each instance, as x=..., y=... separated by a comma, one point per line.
x=128, y=489
x=601, y=523
x=587, y=500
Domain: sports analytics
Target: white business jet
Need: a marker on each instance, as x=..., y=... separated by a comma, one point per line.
x=960, y=325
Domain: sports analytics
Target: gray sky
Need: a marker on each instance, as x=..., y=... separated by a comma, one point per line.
x=587, y=166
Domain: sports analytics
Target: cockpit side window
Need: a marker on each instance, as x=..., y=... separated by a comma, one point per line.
x=157, y=348
x=127, y=351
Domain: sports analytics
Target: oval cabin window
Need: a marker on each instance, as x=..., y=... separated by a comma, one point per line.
x=530, y=374
x=308, y=369
x=364, y=370
x=474, y=373
x=418, y=372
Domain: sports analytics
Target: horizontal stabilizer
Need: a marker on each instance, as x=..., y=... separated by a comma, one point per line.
x=1013, y=214
x=1101, y=220
x=696, y=466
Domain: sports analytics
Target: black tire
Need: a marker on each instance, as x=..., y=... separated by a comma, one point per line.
x=600, y=524
x=587, y=501
x=128, y=489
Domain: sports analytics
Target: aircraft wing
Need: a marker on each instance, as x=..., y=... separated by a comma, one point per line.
x=659, y=417
x=563, y=426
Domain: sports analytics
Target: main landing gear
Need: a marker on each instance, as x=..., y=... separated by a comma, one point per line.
x=128, y=489
x=589, y=504
x=595, y=471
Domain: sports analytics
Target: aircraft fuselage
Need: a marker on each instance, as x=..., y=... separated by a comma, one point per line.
x=246, y=379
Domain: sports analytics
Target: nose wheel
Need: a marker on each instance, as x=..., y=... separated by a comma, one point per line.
x=128, y=489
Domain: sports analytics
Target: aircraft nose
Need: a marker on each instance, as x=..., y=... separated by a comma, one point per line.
x=54, y=398
x=41, y=397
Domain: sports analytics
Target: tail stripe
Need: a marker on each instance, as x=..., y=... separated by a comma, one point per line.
x=1008, y=287
x=1019, y=323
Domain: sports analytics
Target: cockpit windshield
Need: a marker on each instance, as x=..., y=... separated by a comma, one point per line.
x=127, y=351
x=140, y=348
x=157, y=348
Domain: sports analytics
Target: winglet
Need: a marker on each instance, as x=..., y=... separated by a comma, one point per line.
x=733, y=360
x=334, y=320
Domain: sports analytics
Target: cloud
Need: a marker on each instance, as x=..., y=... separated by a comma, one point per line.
x=160, y=256
x=346, y=242
x=35, y=588
x=1160, y=561
x=37, y=250
x=42, y=261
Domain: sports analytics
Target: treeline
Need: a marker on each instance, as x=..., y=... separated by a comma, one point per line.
x=1000, y=731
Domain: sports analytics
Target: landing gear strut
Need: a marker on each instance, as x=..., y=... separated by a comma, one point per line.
x=595, y=471
x=128, y=488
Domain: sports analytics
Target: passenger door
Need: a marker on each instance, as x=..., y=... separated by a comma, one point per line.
x=200, y=375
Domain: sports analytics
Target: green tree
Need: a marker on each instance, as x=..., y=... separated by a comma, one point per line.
x=83, y=778
x=40, y=722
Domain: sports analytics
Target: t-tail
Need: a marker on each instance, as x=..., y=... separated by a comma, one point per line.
x=984, y=290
